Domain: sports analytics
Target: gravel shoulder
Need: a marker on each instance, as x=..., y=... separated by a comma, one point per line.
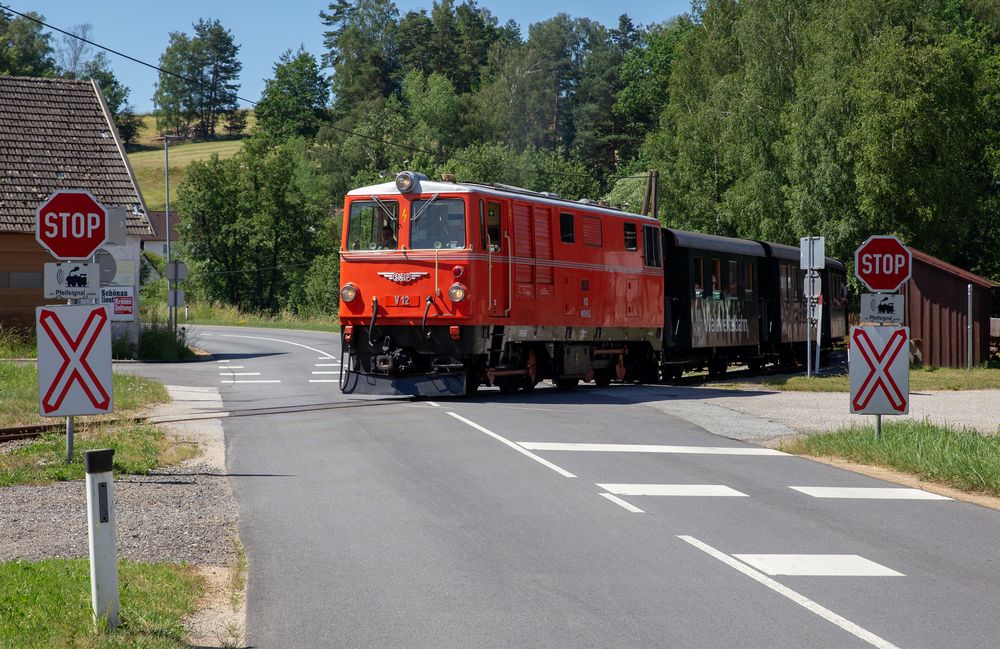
x=183, y=513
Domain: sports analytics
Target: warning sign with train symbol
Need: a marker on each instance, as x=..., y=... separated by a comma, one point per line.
x=71, y=280
x=882, y=308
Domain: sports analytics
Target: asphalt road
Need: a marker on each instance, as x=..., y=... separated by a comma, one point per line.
x=537, y=521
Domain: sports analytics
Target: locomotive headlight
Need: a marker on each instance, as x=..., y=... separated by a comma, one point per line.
x=405, y=181
x=457, y=292
x=349, y=293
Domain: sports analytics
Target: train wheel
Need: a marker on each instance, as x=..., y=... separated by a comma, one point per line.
x=602, y=379
x=567, y=384
x=506, y=385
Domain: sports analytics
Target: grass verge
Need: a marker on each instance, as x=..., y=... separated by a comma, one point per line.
x=212, y=314
x=925, y=378
x=19, y=396
x=47, y=604
x=962, y=459
x=149, y=169
x=17, y=342
x=139, y=448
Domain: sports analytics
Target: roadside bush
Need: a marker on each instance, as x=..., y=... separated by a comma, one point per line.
x=158, y=343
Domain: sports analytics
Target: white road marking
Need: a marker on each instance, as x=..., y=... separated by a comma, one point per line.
x=876, y=493
x=711, y=490
x=327, y=364
x=232, y=367
x=287, y=342
x=239, y=373
x=251, y=380
x=326, y=372
x=323, y=380
x=621, y=503
x=783, y=590
x=433, y=404
x=561, y=471
x=817, y=565
x=223, y=361
x=207, y=334
x=651, y=448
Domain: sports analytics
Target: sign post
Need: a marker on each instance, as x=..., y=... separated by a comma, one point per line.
x=812, y=258
x=879, y=359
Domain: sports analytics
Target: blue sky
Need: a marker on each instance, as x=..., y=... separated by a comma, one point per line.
x=265, y=30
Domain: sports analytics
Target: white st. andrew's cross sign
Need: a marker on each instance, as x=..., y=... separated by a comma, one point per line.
x=880, y=370
x=74, y=360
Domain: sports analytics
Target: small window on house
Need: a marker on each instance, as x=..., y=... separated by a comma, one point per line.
x=651, y=246
x=25, y=280
x=631, y=238
x=733, y=279
x=592, y=235
x=567, y=234
x=716, y=278
x=699, y=277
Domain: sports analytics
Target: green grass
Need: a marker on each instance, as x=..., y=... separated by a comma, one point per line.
x=17, y=342
x=209, y=314
x=19, y=396
x=46, y=604
x=962, y=459
x=927, y=378
x=148, y=135
x=139, y=448
x=148, y=167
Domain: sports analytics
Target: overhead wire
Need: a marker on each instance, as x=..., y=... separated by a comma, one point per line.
x=331, y=126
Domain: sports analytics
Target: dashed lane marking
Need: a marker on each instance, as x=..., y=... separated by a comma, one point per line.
x=500, y=438
x=433, y=404
x=251, y=380
x=817, y=565
x=232, y=367
x=327, y=364
x=873, y=493
x=785, y=591
x=239, y=373
x=621, y=503
x=708, y=490
x=652, y=448
x=326, y=372
x=323, y=380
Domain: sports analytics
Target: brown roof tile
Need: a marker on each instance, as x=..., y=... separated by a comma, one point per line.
x=56, y=134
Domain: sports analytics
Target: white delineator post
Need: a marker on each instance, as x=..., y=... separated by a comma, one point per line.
x=103, y=544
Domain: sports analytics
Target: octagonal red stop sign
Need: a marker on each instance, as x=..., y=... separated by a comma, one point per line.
x=71, y=224
x=882, y=263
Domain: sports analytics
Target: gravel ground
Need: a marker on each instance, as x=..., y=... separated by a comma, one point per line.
x=176, y=514
x=180, y=513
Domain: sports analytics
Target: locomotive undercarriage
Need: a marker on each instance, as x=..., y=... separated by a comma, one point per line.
x=456, y=360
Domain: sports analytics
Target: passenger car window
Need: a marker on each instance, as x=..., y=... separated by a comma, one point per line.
x=734, y=273
x=699, y=277
x=437, y=224
x=716, y=279
x=651, y=246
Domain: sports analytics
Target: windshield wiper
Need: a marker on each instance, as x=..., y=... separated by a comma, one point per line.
x=385, y=208
x=416, y=217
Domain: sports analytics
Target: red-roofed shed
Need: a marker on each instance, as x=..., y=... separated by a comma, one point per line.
x=937, y=312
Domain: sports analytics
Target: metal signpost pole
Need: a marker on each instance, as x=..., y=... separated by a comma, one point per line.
x=166, y=169
x=969, y=331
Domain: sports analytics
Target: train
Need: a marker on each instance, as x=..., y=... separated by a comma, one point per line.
x=450, y=286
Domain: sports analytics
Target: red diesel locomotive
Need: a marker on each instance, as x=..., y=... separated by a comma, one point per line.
x=448, y=286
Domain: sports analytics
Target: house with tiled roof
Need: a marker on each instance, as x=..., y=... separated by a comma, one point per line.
x=59, y=134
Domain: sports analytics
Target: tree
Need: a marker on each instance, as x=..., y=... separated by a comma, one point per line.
x=362, y=50
x=294, y=101
x=201, y=79
x=25, y=50
x=72, y=50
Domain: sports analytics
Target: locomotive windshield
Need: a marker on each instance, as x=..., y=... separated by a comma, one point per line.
x=373, y=225
x=438, y=223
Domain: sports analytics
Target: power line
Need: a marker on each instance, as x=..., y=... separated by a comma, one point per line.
x=370, y=138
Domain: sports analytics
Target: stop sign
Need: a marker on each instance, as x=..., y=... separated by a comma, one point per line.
x=71, y=224
x=882, y=263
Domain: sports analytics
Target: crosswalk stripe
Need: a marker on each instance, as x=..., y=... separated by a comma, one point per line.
x=817, y=565
x=671, y=490
x=650, y=448
x=872, y=493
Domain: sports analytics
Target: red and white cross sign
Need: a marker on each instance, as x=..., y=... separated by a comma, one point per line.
x=74, y=360
x=880, y=370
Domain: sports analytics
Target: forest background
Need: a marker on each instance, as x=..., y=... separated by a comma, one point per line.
x=769, y=119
